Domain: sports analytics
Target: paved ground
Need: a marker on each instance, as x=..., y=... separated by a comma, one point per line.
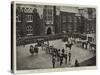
x=89, y=62
x=43, y=61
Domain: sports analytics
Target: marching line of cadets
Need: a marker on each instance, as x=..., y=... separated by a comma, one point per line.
x=60, y=57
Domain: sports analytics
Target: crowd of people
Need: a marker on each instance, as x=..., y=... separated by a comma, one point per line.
x=58, y=55
x=61, y=56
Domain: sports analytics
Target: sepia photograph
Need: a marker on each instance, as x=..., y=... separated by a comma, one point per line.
x=54, y=36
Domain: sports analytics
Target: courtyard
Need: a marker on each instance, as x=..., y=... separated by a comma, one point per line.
x=25, y=61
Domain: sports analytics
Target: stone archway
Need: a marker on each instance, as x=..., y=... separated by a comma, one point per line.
x=49, y=31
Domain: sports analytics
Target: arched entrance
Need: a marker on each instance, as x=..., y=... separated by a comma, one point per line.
x=49, y=31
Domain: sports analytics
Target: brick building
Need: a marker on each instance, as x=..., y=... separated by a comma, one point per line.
x=38, y=20
x=28, y=20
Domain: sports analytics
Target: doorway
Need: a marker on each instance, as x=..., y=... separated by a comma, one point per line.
x=49, y=31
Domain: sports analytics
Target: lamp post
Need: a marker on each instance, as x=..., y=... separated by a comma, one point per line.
x=78, y=22
x=81, y=12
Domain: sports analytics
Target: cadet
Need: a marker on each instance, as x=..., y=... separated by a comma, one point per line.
x=53, y=61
